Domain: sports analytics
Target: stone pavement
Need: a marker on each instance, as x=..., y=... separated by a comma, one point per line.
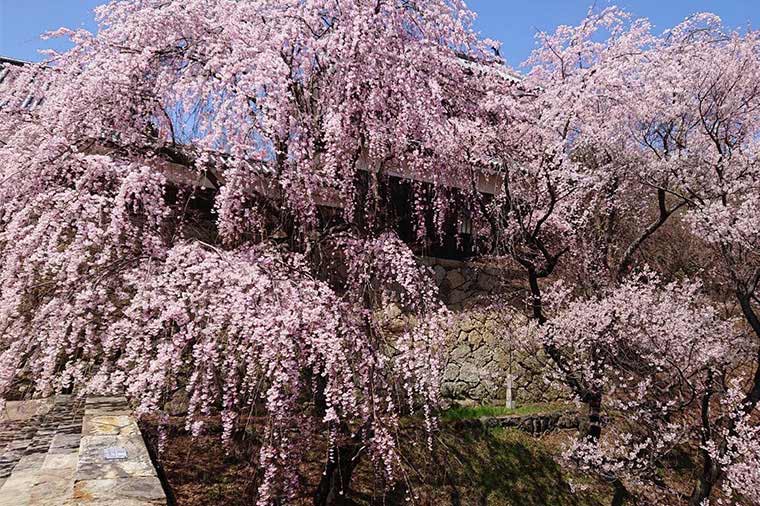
x=65, y=452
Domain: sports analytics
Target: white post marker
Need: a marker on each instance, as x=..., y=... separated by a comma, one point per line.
x=510, y=404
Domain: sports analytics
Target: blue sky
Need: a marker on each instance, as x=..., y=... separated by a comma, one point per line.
x=513, y=22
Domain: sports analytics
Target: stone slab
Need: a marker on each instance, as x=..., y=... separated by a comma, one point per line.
x=66, y=461
x=65, y=443
x=51, y=489
x=93, y=465
x=17, y=489
x=24, y=410
x=109, y=425
x=110, y=406
x=29, y=463
x=135, y=491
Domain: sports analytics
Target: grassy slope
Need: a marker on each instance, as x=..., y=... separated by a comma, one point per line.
x=495, y=467
x=462, y=413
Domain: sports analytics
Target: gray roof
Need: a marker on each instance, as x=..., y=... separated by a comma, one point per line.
x=7, y=66
x=12, y=61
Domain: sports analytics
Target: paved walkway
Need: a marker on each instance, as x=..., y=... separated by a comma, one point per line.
x=65, y=452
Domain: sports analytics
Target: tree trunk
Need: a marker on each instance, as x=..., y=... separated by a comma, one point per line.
x=710, y=469
x=594, y=402
x=707, y=480
x=621, y=493
x=334, y=485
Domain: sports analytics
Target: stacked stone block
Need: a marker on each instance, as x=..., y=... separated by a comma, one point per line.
x=487, y=344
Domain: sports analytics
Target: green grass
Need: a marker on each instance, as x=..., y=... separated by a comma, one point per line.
x=466, y=413
x=488, y=467
x=511, y=468
x=466, y=466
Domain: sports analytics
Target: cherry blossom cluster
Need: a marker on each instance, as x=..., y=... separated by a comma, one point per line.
x=171, y=187
x=640, y=151
x=649, y=349
x=139, y=195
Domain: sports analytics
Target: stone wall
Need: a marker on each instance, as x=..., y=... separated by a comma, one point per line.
x=536, y=424
x=486, y=344
x=465, y=284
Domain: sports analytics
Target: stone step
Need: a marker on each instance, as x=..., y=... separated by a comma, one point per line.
x=40, y=457
x=114, y=465
x=91, y=454
x=43, y=479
